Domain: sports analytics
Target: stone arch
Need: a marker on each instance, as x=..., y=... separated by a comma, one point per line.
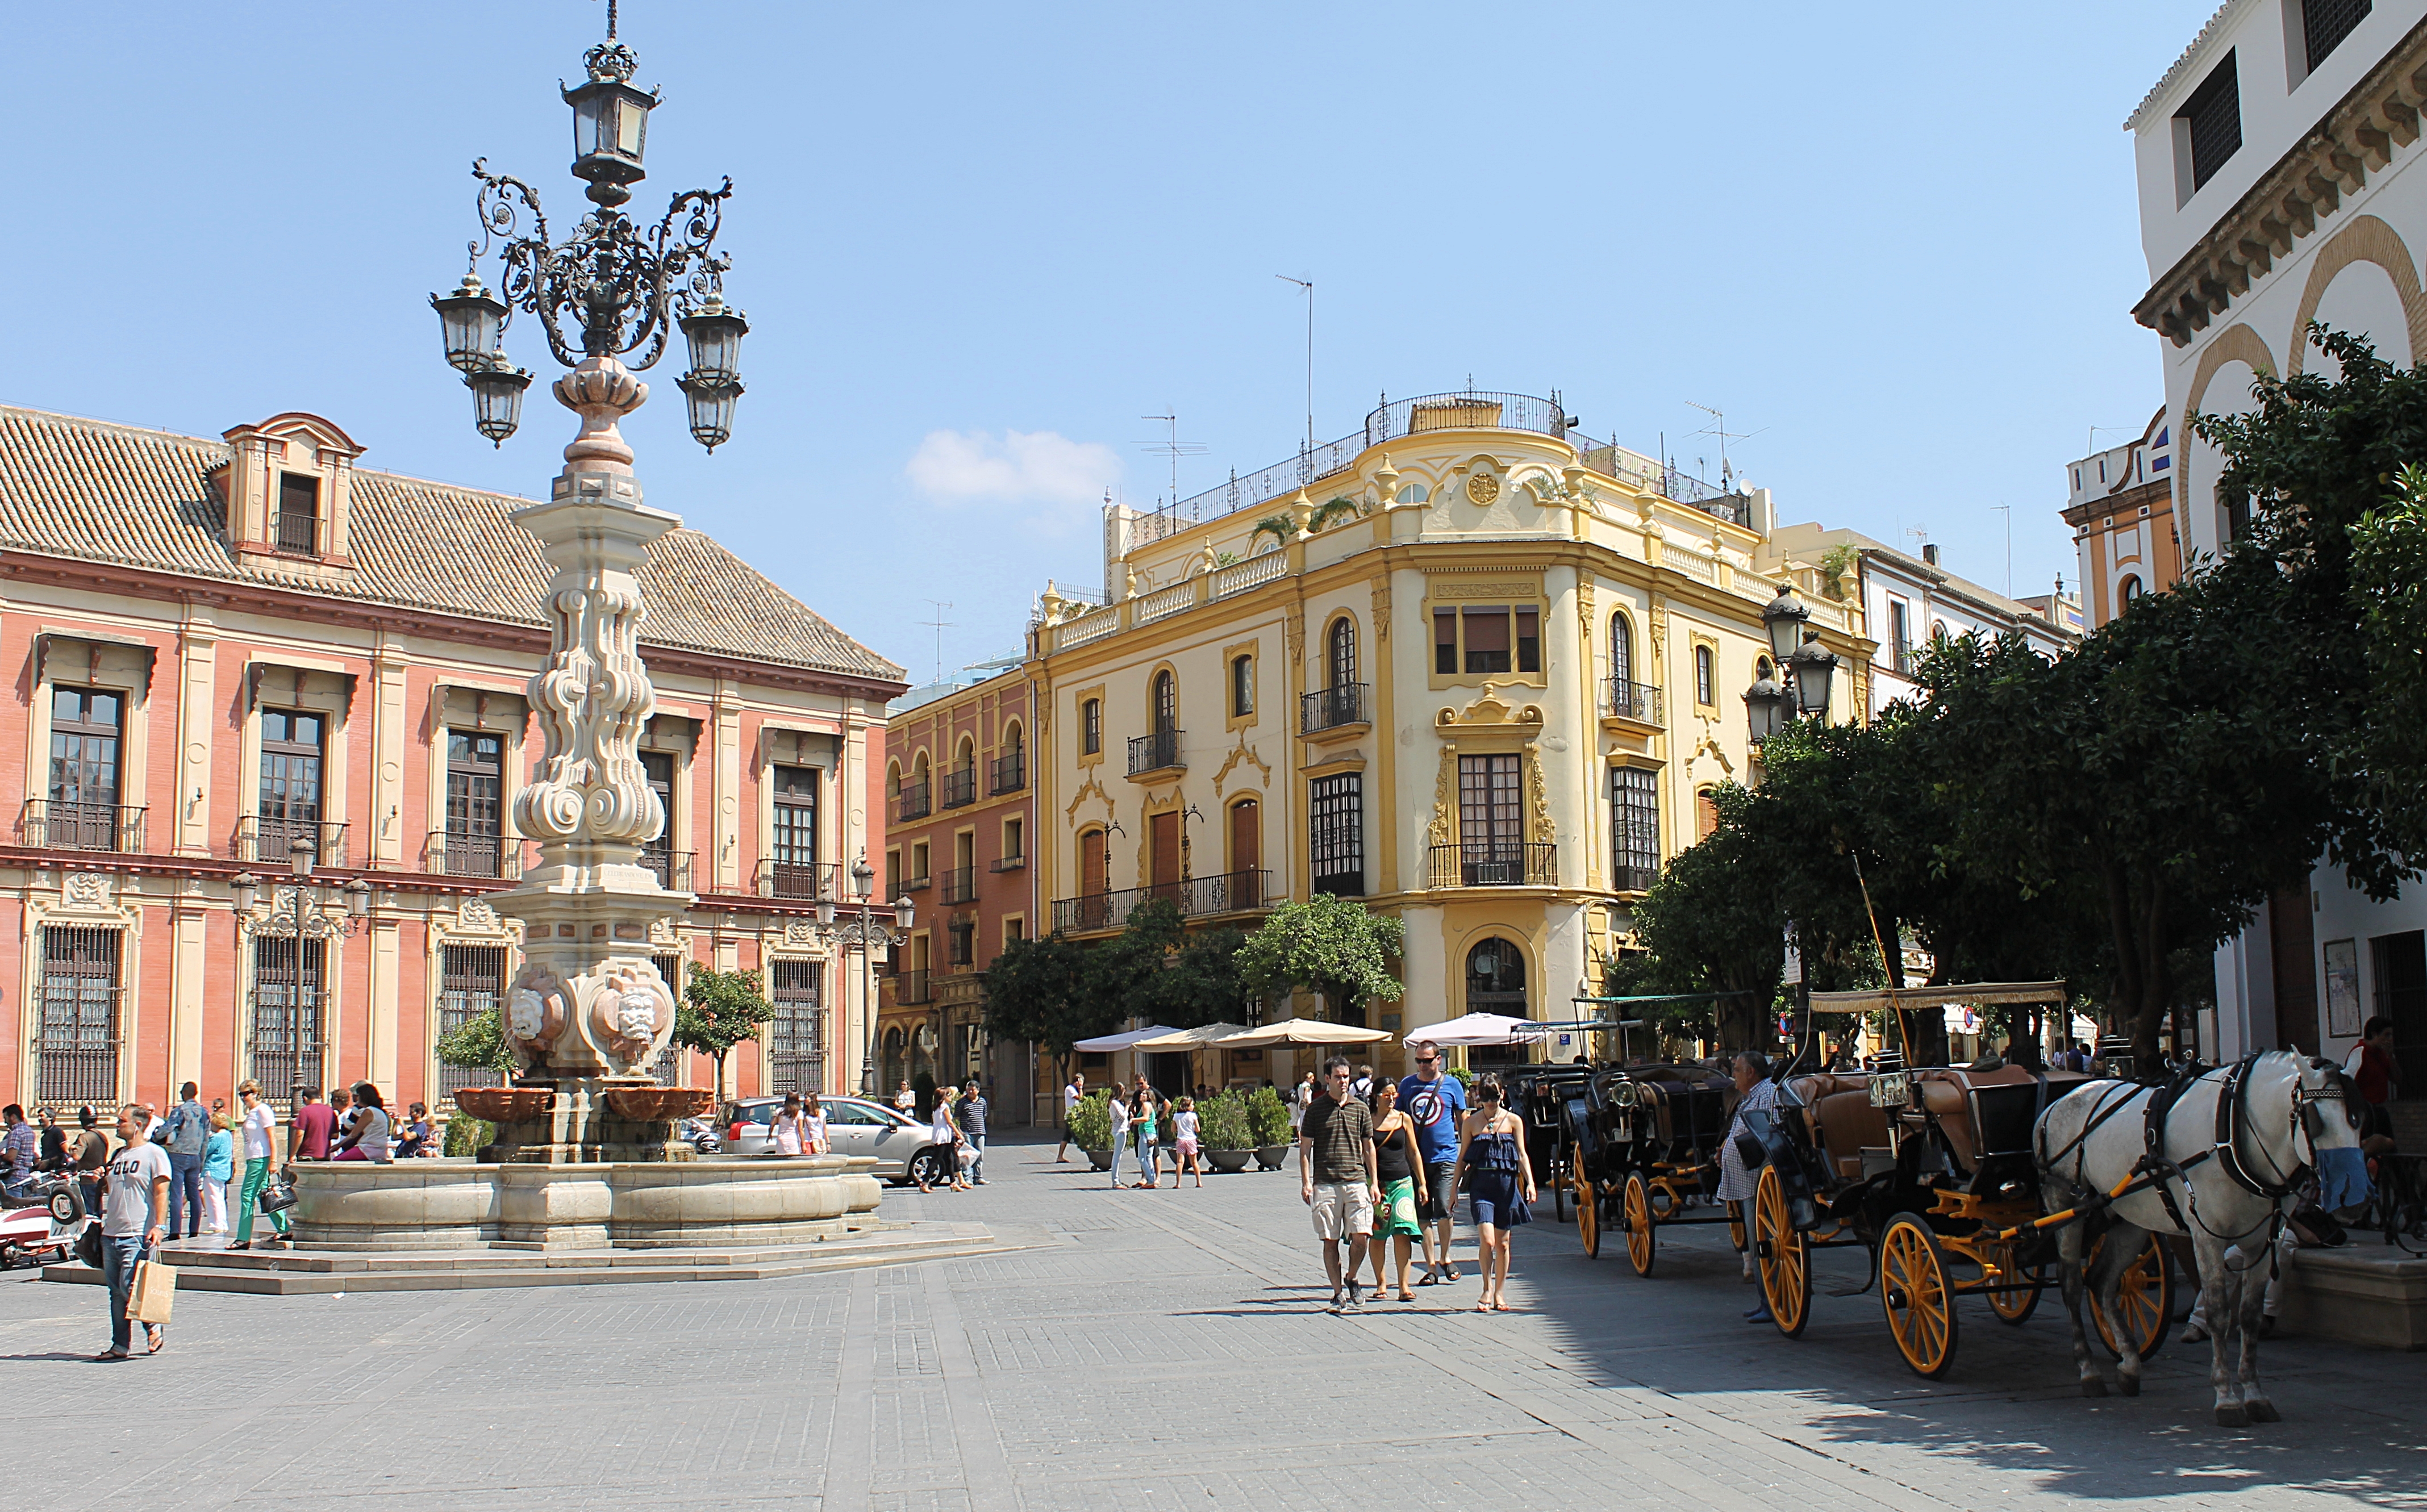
x=2367, y=239
x=2235, y=342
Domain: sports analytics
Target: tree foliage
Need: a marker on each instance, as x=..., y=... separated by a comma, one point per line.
x=1336, y=946
x=719, y=1009
x=1032, y=993
x=2389, y=578
x=480, y=1045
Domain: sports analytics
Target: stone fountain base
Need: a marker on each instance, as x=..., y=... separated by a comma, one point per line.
x=609, y=1204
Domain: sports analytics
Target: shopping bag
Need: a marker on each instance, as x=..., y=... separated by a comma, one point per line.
x=154, y=1294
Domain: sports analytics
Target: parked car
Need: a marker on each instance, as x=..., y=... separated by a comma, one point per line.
x=855, y=1126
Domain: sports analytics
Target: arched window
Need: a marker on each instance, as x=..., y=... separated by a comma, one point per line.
x=1091, y=725
x=1622, y=650
x=1343, y=651
x=1009, y=771
x=893, y=778
x=1706, y=678
x=1167, y=703
x=2130, y=589
x=1247, y=853
x=1706, y=814
x=1496, y=978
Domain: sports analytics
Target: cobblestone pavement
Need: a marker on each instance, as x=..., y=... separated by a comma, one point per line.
x=1152, y=1351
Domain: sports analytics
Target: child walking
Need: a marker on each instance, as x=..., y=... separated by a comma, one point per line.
x=1183, y=1125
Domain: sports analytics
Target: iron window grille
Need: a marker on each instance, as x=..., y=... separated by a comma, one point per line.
x=471, y=986
x=2325, y=23
x=287, y=1043
x=796, y=1038
x=2212, y=119
x=1336, y=833
x=1634, y=828
x=77, y=1051
x=667, y=1068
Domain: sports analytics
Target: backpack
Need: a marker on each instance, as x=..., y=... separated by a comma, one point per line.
x=188, y=1134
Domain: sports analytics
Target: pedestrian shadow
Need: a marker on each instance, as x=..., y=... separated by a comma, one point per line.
x=52, y=1353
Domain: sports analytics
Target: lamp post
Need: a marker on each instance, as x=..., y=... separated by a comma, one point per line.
x=588, y=1005
x=863, y=932
x=297, y=912
x=1807, y=668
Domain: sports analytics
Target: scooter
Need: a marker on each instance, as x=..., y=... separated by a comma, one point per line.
x=42, y=1226
x=702, y=1134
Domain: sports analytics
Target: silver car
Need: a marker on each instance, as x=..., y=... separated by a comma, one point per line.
x=855, y=1126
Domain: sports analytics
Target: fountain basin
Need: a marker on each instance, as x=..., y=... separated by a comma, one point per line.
x=506, y=1105
x=665, y=1104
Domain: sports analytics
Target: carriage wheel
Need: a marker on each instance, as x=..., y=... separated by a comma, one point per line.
x=1588, y=1217
x=1637, y=1204
x=1785, y=1259
x=2011, y=1304
x=1914, y=1292
x=1559, y=1186
x=2144, y=1297
x=1736, y=1224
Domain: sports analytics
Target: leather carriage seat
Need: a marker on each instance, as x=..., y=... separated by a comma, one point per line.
x=1837, y=1109
x=1944, y=1091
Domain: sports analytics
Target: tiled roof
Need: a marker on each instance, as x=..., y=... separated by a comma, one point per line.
x=2215, y=24
x=99, y=492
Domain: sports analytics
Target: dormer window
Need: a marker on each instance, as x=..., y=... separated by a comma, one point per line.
x=299, y=512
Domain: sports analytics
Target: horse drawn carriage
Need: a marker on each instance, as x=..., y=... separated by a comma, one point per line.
x=1932, y=1173
x=1638, y=1147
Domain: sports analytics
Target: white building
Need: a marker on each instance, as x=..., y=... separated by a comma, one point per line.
x=2276, y=165
x=1907, y=599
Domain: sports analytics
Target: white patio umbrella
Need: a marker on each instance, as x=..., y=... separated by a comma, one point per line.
x=1302, y=1031
x=1188, y=1039
x=1478, y=1029
x=1122, y=1042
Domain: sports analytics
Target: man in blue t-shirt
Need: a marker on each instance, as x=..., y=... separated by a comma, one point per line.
x=1435, y=1103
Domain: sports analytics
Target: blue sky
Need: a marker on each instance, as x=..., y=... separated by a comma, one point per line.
x=978, y=244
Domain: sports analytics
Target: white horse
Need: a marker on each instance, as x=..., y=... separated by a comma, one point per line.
x=2235, y=1146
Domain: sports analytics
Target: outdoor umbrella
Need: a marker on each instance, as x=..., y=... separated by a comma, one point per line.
x=1122, y=1042
x=1479, y=1029
x=1302, y=1031
x=1188, y=1039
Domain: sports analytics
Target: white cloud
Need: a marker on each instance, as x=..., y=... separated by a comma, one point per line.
x=1018, y=467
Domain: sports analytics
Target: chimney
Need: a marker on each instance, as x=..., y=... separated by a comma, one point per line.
x=1930, y=552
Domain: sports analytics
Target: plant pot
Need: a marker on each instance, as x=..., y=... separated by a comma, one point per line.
x=1101, y=1159
x=1269, y=1157
x=506, y=1105
x=660, y=1104
x=1229, y=1159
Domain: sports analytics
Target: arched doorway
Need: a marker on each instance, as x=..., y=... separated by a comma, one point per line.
x=1495, y=984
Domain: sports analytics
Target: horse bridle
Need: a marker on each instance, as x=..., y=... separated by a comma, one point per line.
x=2306, y=1123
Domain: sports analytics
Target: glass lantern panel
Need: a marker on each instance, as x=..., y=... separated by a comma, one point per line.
x=586, y=110
x=632, y=127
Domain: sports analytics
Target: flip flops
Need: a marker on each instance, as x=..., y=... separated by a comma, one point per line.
x=155, y=1338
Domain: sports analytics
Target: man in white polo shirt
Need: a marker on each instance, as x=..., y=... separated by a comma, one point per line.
x=134, y=1195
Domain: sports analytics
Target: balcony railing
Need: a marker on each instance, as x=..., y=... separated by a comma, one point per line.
x=297, y=532
x=912, y=802
x=960, y=885
x=1230, y=892
x=271, y=842
x=1329, y=709
x=672, y=868
x=798, y=881
x=458, y=853
x=961, y=788
x=1008, y=863
x=53, y=825
x=1008, y=774
x=1633, y=879
x=911, y=987
x=1496, y=864
x=1621, y=699
x=1904, y=659
x=918, y=883
x=1159, y=752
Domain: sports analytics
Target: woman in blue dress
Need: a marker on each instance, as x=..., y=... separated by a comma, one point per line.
x=1499, y=1182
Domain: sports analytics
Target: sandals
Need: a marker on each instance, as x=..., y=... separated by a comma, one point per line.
x=109, y=1354
x=1407, y=1296
x=1428, y=1278
x=1449, y=1273
x=155, y=1338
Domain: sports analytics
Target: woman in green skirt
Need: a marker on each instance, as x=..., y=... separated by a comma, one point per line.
x=1401, y=1166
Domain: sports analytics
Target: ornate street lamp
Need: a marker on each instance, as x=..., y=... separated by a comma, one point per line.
x=864, y=931
x=1766, y=705
x=1784, y=619
x=298, y=911
x=1814, y=667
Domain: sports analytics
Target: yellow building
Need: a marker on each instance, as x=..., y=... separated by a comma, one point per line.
x=1484, y=693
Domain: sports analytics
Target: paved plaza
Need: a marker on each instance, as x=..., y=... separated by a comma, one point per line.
x=1152, y=1351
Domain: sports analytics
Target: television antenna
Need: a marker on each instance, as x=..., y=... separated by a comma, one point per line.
x=940, y=625
x=2008, y=511
x=1718, y=427
x=1173, y=447
x=1307, y=285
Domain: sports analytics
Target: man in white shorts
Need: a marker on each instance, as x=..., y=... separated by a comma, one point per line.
x=1339, y=1177
x=1073, y=1093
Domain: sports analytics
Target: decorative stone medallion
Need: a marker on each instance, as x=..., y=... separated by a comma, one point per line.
x=1483, y=489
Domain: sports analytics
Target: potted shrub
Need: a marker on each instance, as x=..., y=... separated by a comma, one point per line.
x=1268, y=1128
x=1223, y=1129
x=1091, y=1129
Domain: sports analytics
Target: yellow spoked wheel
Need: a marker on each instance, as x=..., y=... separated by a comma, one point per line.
x=1785, y=1258
x=2144, y=1299
x=1914, y=1291
x=1636, y=1203
x=1736, y=1224
x=2017, y=1293
x=1588, y=1217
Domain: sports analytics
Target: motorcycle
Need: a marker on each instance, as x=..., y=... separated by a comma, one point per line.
x=42, y=1226
x=702, y=1134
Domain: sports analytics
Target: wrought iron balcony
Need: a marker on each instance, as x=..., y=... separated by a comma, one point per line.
x=1633, y=879
x=463, y=853
x=1621, y=699
x=912, y=986
x=1159, y=752
x=1008, y=863
x=918, y=883
x=960, y=885
x=912, y=802
x=298, y=533
x=1230, y=892
x=271, y=842
x=798, y=881
x=961, y=788
x=672, y=866
x=1329, y=709
x=1496, y=864
x=1008, y=774
x=50, y=824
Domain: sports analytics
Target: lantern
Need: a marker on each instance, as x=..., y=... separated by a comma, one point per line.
x=715, y=336
x=610, y=126
x=711, y=410
x=825, y=910
x=863, y=877
x=497, y=398
x=1784, y=619
x=1814, y=666
x=905, y=912
x=242, y=889
x=358, y=899
x=470, y=318
x=303, y=854
x=1766, y=706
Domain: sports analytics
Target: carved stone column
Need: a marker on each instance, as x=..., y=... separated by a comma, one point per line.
x=588, y=1011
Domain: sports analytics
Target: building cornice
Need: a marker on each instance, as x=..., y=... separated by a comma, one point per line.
x=2306, y=185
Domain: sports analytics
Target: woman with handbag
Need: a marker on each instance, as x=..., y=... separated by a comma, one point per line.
x=260, y=1139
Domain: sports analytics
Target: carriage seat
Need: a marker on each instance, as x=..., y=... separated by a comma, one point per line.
x=1837, y=1110
x=2007, y=1099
